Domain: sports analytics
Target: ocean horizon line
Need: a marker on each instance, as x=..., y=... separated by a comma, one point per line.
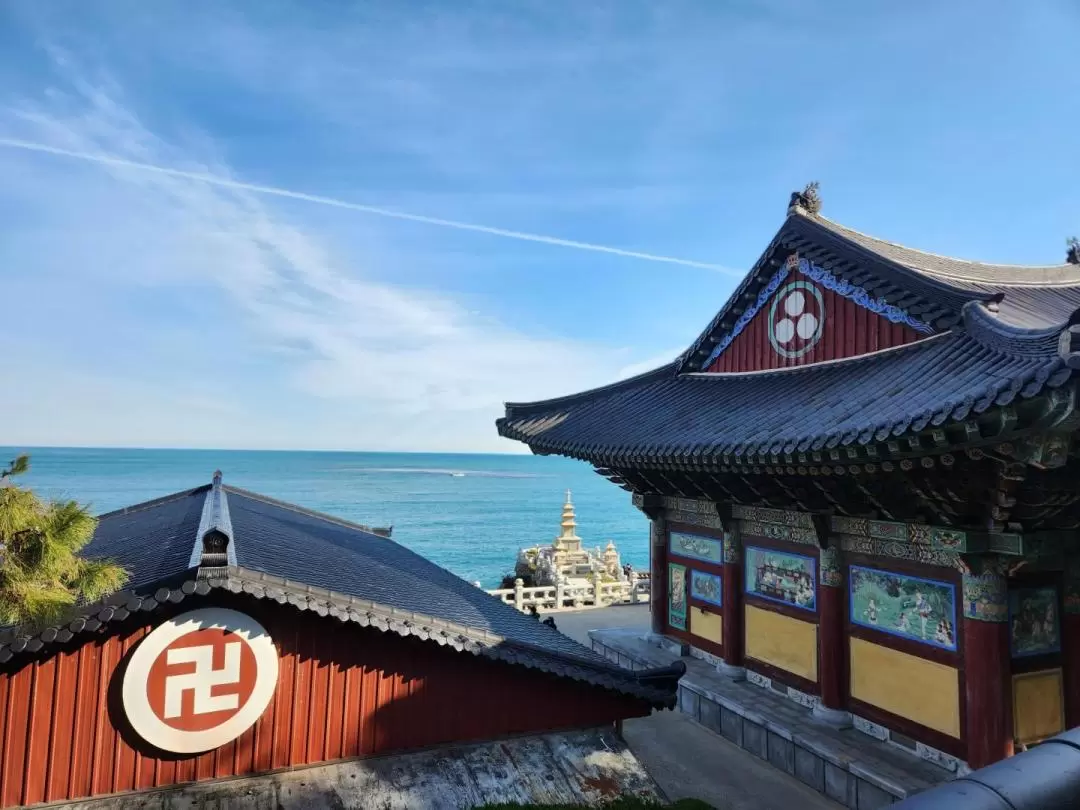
x=165, y=449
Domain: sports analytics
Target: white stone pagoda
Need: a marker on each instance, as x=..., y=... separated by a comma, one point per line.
x=565, y=561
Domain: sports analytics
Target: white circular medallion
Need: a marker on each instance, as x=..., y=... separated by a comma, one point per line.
x=795, y=303
x=200, y=680
x=796, y=319
x=785, y=330
x=806, y=326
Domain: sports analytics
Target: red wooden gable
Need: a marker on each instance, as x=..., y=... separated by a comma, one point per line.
x=340, y=693
x=805, y=322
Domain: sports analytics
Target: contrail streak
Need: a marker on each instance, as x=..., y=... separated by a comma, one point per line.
x=209, y=179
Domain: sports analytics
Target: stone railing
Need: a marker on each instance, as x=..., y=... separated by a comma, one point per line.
x=596, y=594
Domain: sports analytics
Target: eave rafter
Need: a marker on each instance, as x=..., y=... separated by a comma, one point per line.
x=979, y=492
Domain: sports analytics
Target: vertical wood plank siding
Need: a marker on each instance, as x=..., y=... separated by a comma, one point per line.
x=849, y=330
x=343, y=691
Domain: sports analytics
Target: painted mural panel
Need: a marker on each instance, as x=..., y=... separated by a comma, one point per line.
x=1034, y=621
x=923, y=610
x=707, y=587
x=677, y=596
x=697, y=547
x=781, y=576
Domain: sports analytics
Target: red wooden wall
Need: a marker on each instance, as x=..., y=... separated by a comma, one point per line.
x=849, y=330
x=343, y=691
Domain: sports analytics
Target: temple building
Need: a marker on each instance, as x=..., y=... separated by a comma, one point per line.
x=863, y=486
x=325, y=663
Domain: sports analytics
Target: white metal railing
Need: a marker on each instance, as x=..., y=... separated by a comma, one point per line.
x=595, y=594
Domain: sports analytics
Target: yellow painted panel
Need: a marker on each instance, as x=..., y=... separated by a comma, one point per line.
x=1038, y=705
x=709, y=626
x=925, y=692
x=786, y=643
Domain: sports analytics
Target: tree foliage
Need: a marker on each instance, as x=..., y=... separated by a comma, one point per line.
x=42, y=576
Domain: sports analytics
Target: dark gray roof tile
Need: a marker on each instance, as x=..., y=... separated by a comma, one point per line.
x=328, y=555
x=824, y=405
x=961, y=273
x=152, y=540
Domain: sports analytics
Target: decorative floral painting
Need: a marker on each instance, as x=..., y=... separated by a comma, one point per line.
x=707, y=587
x=781, y=577
x=677, y=596
x=696, y=547
x=1034, y=621
x=922, y=610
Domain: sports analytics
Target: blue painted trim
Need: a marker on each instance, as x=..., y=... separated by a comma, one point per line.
x=909, y=636
x=827, y=280
x=1014, y=596
x=712, y=541
x=719, y=601
x=749, y=313
x=861, y=297
x=758, y=595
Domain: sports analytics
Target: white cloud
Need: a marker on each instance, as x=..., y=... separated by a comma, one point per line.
x=361, y=363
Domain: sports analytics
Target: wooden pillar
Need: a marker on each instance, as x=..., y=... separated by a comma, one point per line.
x=1070, y=644
x=832, y=649
x=832, y=602
x=988, y=709
x=658, y=571
x=732, y=604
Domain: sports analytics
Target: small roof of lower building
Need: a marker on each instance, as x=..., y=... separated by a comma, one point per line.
x=223, y=537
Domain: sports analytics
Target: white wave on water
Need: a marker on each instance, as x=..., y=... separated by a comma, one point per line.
x=450, y=472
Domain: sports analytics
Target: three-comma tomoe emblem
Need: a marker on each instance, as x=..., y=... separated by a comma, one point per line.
x=796, y=319
x=200, y=680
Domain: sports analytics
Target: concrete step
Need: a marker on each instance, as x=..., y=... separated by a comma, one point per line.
x=845, y=764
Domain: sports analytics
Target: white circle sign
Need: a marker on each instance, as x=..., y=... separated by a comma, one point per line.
x=200, y=680
x=796, y=319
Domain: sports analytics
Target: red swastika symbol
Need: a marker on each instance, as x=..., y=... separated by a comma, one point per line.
x=201, y=680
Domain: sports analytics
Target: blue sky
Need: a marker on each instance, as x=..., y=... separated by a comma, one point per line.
x=153, y=309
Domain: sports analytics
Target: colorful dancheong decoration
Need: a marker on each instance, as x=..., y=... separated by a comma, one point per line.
x=913, y=608
x=677, y=596
x=696, y=547
x=200, y=680
x=707, y=587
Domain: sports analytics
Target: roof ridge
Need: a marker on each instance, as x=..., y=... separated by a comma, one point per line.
x=303, y=510
x=945, y=273
x=215, y=520
x=138, y=507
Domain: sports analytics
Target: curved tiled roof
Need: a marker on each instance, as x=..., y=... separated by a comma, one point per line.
x=1033, y=307
x=960, y=272
x=865, y=399
x=657, y=686
x=935, y=288
x=321, y=563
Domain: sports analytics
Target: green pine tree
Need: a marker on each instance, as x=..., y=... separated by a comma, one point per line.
x=42, y=576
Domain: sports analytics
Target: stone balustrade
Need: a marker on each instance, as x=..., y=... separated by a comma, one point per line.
x=596, y=594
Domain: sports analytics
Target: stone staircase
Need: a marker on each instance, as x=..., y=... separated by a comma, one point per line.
x=846, y=765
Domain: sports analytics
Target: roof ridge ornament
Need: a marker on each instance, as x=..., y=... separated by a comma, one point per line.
x=1073, y=256
x=807, y=201
x=214, y=548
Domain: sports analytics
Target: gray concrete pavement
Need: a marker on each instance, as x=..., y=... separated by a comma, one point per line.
x=686, y=759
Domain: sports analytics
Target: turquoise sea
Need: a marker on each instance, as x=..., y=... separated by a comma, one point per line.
x=468, y=513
